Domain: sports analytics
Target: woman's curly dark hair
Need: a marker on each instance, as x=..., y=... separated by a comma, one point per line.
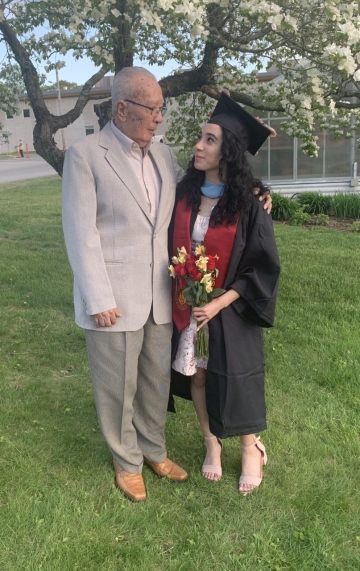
x=235, y=171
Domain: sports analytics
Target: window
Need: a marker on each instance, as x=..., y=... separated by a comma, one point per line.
x=95, y=107
x=89, y=130
x=26, y=112
x=312, y=167
x=281, y=153
x=337, y=156
x=260, y=163
x=9, y=116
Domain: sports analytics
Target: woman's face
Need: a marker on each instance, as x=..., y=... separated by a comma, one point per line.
x=207, y=152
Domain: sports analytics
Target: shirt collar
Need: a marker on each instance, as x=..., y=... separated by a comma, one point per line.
x=127, y=144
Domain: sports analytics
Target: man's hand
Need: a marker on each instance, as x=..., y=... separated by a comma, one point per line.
x=106, y=318
x=266, y=198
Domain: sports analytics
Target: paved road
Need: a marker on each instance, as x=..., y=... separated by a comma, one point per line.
x=12, y=169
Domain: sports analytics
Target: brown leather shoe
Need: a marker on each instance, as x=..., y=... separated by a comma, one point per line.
x=131, y=484
x=167, y=469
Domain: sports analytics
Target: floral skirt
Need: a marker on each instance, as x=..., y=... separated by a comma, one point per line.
x=186, y=361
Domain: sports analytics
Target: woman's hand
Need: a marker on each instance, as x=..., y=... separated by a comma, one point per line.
x=273, y=133
x=208, y=311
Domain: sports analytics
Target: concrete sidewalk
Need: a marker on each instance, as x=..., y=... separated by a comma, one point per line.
x=13, y=169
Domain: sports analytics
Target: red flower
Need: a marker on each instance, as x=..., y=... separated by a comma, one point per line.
x=190, y=262
x=194, y=273
x=211, y=265
x=180, y=270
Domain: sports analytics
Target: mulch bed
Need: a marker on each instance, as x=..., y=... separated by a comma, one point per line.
x=341, y=224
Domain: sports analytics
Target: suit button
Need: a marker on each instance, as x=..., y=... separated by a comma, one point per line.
x=151, y=265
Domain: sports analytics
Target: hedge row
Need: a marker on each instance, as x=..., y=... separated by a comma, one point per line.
x=314, y=207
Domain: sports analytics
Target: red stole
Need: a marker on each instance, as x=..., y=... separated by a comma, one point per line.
x=218, y=241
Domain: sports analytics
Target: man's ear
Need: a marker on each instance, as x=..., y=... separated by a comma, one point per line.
x=121, y=110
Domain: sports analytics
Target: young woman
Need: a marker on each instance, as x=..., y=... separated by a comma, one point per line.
x=216, y=207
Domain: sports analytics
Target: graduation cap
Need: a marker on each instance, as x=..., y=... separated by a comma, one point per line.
x=232, y=116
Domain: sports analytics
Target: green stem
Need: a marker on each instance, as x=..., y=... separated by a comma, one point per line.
x=202, y=344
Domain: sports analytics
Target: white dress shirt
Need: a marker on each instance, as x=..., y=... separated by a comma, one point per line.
x=144, y=168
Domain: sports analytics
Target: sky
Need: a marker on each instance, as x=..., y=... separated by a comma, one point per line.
x=80, y=71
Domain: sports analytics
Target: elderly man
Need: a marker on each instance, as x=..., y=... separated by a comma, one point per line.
x=118, y=197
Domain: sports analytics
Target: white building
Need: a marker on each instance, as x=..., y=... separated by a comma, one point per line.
x=280, y=162
x=20, y=127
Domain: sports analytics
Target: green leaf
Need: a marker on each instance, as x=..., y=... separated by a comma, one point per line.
x=217, y=291
x=189, y=296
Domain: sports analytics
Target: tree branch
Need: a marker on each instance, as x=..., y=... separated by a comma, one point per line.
x=46, y=124
x=242, y=98
x=62, y=121
x=29, y=72
x=347, y=104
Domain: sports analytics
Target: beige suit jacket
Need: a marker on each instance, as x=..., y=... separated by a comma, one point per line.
x=118, y=257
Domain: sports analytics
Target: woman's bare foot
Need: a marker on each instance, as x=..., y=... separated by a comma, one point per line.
x=211, y=468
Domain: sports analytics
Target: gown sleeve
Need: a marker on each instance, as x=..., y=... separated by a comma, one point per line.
x=257, y=274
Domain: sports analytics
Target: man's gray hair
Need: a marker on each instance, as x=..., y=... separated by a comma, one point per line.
x=123, y=86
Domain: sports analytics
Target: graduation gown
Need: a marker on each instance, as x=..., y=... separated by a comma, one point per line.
x=235, y=397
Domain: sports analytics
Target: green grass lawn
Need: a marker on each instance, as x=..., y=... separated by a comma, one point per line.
x=59, y=509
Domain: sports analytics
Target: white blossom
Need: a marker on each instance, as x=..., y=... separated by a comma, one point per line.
x=115, y=12
x=312, y=76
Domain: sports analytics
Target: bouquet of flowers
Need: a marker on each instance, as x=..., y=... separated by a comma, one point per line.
x=195, y=277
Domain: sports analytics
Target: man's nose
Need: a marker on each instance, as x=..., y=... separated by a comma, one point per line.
x=158, y=118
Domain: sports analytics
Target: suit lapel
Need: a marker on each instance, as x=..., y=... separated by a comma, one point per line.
x=118, y=161
x=164, y=202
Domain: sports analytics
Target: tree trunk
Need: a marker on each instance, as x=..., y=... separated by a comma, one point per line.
x=123, y=57
x=104, y=113
x=124, y=47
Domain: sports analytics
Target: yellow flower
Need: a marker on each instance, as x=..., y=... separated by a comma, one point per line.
x=209, y=287
x=182, y=259
x=182, y=251
x=206, y=279
x=199, y=250
x=175, y=260
x=201, y=263
x=171, y=270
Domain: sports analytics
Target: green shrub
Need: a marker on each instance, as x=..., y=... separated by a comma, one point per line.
x=183, y=158
x=346, y=205
x=283, y=208
x=355, y=226
x=314, y=202
x=299, y=217
x=319, y=219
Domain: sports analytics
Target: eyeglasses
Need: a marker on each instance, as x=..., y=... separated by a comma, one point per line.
x=154, y=110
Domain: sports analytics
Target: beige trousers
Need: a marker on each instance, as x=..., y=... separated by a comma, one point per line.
x=131, y=378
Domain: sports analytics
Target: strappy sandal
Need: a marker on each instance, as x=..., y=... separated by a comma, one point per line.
x=254, y=481
x=211, y=468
